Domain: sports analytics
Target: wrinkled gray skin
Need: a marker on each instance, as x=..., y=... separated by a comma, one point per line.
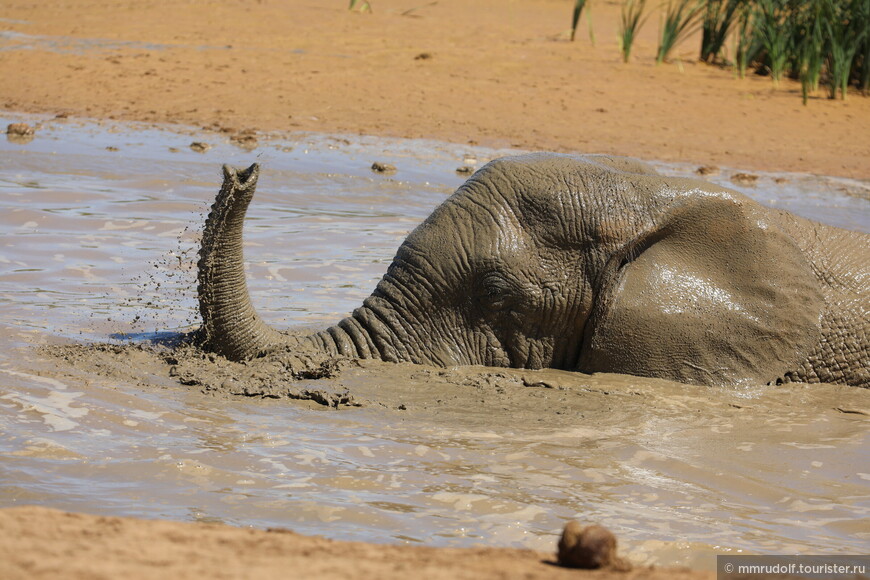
x=589, y=264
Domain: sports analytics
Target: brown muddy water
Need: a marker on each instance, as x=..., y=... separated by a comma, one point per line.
x=100, y=225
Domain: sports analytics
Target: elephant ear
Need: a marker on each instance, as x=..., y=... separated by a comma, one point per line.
x=715, y=293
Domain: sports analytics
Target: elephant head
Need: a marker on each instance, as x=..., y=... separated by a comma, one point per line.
x=578, y=263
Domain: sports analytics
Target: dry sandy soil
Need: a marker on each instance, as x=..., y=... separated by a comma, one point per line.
x=488, y=72
x=41, y=543
x=492, y=72
x=91, y=547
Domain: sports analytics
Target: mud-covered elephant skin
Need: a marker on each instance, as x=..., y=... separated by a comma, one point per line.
x=593, y=264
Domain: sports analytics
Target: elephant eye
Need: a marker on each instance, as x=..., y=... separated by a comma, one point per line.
x=496, y=292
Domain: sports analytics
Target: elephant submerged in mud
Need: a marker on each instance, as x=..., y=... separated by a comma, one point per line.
x=593, y=264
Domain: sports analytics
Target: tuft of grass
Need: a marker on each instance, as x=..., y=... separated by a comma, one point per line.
x=810, y=46
x=579, y=5
x=860, y=13
x=719, y=17
x=746, y=46
x=774, y=26
x=864, y=68
x=589, y=25
x=818, y=42
x=682, y=18
x=364, y=6
x=632, y=20
x=575, y=17
x=846, y=29
x=862, y=60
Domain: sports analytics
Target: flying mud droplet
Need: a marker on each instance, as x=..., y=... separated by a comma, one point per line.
x=200, y=147
x=465, y=170
x=167, y=289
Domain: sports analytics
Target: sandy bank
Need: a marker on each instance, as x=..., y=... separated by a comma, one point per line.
x=487, y=72
x=45, y=543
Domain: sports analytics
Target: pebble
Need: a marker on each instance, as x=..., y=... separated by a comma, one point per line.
x=379, y=167
x=744, y=178
x=19, y=129
x=245, y=139
x=708, y=170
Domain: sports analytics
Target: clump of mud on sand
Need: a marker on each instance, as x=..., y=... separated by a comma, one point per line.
x=20, y=133
x=591, y=547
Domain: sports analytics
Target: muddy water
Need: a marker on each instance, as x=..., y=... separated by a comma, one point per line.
x=99, y=227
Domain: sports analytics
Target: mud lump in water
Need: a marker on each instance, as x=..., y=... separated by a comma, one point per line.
x=589, y=547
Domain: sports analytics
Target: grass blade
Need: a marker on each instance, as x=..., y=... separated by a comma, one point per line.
x=682, y=18
x=575, y=17
x=631, y=21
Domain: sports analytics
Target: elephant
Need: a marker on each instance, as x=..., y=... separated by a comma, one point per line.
x=582, y=263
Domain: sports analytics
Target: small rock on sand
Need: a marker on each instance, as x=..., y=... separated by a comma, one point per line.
x=19, y=133
x=708, y=170
x=199, y=146
x=379, y=167
x=20, y=129
x=246, y=139
x=589, y=547
x=744, y=178
x=465, y=170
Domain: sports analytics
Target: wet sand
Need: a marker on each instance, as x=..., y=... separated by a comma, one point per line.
x=110, y=547
x=486, y=72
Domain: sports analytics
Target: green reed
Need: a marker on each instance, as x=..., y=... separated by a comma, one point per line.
x=682, y=18
x=719, y=17
x=364, y=6
x=810, y=46
x=846, y=30
x=864, y=67
x=575, y=16
x=746, y=45
x=773, y=24
x=632, y=20
x=817, y=42
x=862, y=59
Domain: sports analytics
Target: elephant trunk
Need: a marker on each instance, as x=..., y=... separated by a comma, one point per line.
x=230, y=325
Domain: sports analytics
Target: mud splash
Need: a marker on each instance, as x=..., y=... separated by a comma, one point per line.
x=100, y=244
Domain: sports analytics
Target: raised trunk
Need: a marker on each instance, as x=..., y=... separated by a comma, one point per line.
x=230, y=325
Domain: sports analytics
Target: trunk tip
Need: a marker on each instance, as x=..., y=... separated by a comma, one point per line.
x=242, y=178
